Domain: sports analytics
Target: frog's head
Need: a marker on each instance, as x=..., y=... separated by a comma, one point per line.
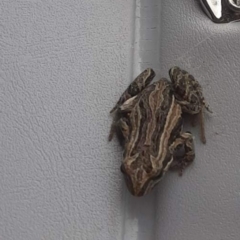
x=140, y=178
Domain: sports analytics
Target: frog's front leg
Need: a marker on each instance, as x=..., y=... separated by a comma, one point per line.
x=182, y=150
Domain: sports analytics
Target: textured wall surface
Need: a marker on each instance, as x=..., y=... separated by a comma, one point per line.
x=63, y=65
x=205, y=202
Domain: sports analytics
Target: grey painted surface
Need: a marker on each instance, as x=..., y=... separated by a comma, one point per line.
x=63, y=65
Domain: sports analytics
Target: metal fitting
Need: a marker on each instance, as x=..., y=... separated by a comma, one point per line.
x=234, y=5
x=222, y=11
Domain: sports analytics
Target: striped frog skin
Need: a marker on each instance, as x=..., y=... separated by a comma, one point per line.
x=148, y=123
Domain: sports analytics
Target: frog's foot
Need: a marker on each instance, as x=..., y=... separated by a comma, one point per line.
x=183, y=152
x=206, y=105
x=112, y=132
x=121, y=129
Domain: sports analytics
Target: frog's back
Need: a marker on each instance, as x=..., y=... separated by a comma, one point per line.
x=155, y=120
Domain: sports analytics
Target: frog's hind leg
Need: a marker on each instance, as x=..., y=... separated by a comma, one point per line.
x=202, y=126
x=138, y=84
x=201, y=120
x=189, y=95
x=183, y=153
